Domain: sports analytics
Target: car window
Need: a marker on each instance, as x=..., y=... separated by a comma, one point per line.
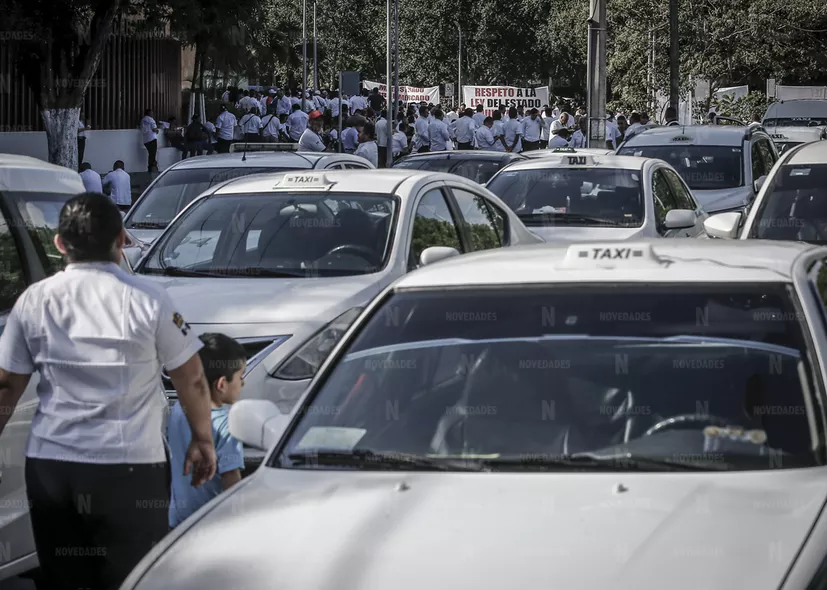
x=758, y=164
x=664, y=199
x=683, y=199
x=414, y=164
x=293, y=234
x=434, y=225
x=794, y=206
x=40, y=213
x=478, y=220
x=479, y=171
x=437, y=164
x=703, y=167
x=12, y=278
x=510, y=373
x=353, y=166
x=767, y=154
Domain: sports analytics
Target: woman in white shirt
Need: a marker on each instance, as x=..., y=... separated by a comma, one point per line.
x=367, y=145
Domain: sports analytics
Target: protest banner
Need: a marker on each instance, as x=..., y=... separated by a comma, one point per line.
x=407, y=93
x=491, y=97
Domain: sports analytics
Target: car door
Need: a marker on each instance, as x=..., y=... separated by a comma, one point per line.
x=664, y=201
x=685, y=200
x=482, y=228
x=434, y=224
x=15, y=533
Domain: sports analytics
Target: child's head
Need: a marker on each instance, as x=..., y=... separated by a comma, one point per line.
x=224, y=361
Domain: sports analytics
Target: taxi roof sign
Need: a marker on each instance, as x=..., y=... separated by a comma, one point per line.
x=311, y=180
x=564, y=150
x=683, y=138
x=579, y=160
x=611, y=256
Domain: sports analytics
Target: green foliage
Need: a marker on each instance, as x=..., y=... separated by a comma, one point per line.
x=429, y=232
x=746, y=108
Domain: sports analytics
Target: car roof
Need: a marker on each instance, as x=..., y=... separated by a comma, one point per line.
x=383, y=181
x=809, y=153
x=600, y=161
x=677, y=260
x=801, y=107
x=26, y=174
x=728, y=135
x=461, y=155
x=276, y=159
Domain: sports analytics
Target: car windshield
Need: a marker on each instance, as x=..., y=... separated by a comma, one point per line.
x=40, y=212
x=278, y=235
x=794, y=206
x=176, y=189
x=430, y=164
x=712, y=376
x=703, y=167
x=572, y=196
x=796, y=122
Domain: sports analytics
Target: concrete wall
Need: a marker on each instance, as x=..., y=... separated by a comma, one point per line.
x=102, y=149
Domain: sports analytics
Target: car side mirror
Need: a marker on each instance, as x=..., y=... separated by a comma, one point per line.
x=723, y=225
x=759, y=183
x=679, y=219
x=257, y=423
x=435, y=254
x=133, y=255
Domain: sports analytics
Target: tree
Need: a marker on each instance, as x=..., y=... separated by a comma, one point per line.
x=63, y=46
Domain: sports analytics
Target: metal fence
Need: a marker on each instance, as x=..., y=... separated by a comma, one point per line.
x=134, y=74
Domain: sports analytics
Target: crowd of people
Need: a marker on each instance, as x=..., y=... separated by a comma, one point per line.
x=313, y=118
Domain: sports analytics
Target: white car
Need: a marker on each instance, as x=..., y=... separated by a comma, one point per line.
x=724, y=165
x=576, y=197
x=179, y=184
x=792, y=204
x=601, y=415
x=787, y=137
x=32, y=193
x=285, y=262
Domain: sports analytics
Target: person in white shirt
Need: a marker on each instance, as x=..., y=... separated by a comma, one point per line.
x=262, y=105
x=335, y=105
x=440, y=136
x=310, y=141
x=149, y=136
x=465, y=128
x=484, y=137
x=532, y=127
x=350, y=139
x=498, y=132
x=479, y=116
x=636, y=126
x=270, y=127
x=120, y=186
x=545, y=133
x=612, y=133
x=358, y=103
x=400, y=140
x=225, y=128
x=367, y=145
x=381, y=127
x=512, y=131
x=579, y=137
x=296, y=123
x=283, y=104
x=98, y=337
x=422, y=134
x=559, y=139
x=91, y=179
x=251, y=125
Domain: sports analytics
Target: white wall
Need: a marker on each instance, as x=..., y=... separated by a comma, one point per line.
x=102, y=149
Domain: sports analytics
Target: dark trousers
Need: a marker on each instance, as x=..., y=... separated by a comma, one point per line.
x=383, y=156
x=151, y=153
x=81, y=149
x=424, y=149
x=543, y=144
x=93, y=523
x=192, y=149
x=252, y=138
x=530, y=146
x=465, y=146
x=223, y=146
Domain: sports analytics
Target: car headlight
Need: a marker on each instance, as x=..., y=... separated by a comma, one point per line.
x=304, y=363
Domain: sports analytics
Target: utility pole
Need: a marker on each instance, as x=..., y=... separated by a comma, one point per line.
x=304, y=53
x=597, y=74
x=388, y=87
x=315, y=51
x=459, y=67
x=674, y=57
x=395, y=68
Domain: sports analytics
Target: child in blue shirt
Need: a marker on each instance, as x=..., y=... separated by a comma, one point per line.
x=224, y=362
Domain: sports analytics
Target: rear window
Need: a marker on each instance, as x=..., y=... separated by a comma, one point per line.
x=796, y=122
x=703, y=167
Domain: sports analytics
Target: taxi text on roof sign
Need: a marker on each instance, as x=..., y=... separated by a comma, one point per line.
x=304, y=181
x=585, y=256
x=681, y=138
x=577, y=161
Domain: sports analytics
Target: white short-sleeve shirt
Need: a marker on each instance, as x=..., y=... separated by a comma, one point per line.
x=98, y=337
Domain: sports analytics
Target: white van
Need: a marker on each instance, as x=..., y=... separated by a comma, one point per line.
x=793, y=122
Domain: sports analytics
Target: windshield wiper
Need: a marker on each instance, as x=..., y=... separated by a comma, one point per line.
x=367, y=459
x=147, y=225
x=175, y=271
x=565, y=217
x=593, y=461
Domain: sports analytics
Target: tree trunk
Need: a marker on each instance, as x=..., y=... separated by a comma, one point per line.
x=61, y=134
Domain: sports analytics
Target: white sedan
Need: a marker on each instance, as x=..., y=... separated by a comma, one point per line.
x=574, y=197
x=285, y=262
x=630, y=416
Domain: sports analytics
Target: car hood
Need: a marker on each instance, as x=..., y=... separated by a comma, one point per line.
x=147, y=236
x=267, y=301
x=561, y=233
x=721, y=200
x=334, y=529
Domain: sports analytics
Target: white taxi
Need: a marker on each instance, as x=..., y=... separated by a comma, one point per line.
x=515, y=417
x=724, y=165
x=792, y=204
x=285, y=262
x=787, y=137
x=579, y=197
